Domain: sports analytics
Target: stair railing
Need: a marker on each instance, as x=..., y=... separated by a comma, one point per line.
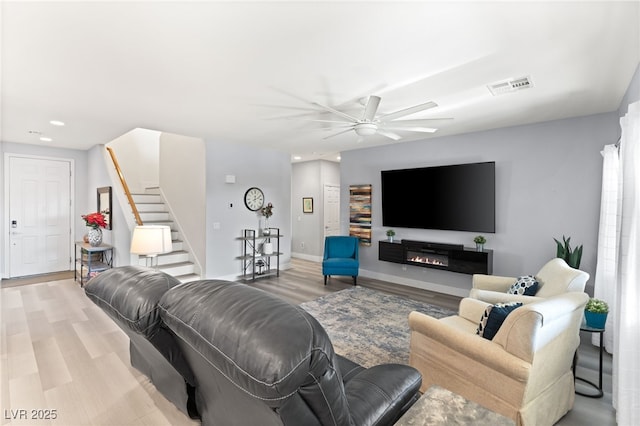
x=125, y=186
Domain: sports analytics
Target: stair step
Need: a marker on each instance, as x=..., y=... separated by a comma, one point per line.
x=177, y=269
x=146, y=198
x=160, y=222
x=187, y=278
x=154, y=217
x=151, y=207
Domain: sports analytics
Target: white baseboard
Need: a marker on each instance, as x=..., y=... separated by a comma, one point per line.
x=308, y=257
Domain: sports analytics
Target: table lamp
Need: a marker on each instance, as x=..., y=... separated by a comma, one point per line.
x=151, y=240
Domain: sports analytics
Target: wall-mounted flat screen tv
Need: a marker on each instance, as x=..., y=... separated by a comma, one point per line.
x=457, y=197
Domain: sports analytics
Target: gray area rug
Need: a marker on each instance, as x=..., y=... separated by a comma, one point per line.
x=367, y=326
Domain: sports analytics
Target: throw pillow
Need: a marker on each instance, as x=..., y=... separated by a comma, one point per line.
x=526, y=285
x=483, y=320
x=493, y=318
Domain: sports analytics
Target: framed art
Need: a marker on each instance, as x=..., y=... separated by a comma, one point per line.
x=307, y=205
x=360, y=213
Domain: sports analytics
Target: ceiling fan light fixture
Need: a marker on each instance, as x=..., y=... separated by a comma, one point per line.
x=365, y=129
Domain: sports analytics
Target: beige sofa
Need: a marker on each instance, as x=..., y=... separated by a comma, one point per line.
x=524, y=373
x=555, y=277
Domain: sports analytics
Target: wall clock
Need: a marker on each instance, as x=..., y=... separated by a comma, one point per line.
x=254, y=199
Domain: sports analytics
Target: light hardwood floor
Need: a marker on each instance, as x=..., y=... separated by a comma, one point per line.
x=61, y=352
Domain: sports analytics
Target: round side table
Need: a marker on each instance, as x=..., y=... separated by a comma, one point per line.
x=598, y=388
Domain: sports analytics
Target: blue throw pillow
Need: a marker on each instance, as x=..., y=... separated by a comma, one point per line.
x=493, y=318
x=526, y=285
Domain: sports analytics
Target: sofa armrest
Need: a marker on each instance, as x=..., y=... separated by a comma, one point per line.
x=470, y=345
x=494, y=297
x=381, y=394
x=492, y=282
x=472, y=309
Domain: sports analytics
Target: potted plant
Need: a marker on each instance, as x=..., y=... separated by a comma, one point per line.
x=479, y=240
x=564, y=251
x=267, y=212
x=390, y=234
x=595, y=313
x=94, y=221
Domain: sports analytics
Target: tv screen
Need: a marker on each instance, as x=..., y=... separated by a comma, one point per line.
x=457, y=197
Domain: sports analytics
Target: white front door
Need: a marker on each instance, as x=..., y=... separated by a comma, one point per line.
x=331, y=210
x=39, y=216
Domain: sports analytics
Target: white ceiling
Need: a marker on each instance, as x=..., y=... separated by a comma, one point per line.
x=247, y=72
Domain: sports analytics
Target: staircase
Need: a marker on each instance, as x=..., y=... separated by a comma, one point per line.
x=153, y=211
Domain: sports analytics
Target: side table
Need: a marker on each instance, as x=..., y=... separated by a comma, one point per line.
x=88, y=263
x=598, y=388
x=441, y=407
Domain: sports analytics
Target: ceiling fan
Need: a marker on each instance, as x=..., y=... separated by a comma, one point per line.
x=384, y=124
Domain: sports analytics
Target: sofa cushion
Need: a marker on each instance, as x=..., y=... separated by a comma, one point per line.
x=526, y=285
x=493, y=317
x=130, y=295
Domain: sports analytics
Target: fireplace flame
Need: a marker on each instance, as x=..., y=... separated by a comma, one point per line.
x=427, y=260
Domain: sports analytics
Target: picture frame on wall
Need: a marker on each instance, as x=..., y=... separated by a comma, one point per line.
x=307, y=205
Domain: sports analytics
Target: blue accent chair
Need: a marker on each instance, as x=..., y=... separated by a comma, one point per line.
x=340, y=257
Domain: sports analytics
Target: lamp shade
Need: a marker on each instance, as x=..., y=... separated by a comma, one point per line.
x=151, y=240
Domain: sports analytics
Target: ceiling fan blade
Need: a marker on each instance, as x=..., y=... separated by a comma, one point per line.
x=417, y=122
x=339, y=133
x=389, y=135
x=371, y=108
x=407, y=111
x=335, y=111
x=412, y=129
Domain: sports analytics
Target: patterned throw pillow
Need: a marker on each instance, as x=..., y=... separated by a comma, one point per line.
x=493, y=317
x=526, y=285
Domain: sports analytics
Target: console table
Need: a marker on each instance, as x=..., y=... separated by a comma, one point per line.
x=441, y=407
x=448, y=257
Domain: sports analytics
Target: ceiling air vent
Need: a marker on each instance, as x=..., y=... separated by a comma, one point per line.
x=510, y=85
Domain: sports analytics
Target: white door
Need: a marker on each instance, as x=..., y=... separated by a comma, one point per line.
x=331, y=210
x=39, y=216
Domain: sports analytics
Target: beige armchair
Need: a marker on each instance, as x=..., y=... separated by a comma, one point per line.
x=554, y=278
x=524, y=373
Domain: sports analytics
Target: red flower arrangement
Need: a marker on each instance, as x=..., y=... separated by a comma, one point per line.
x=95, y=220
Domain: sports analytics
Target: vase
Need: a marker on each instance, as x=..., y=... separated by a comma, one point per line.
x=479, y=247
x=390, y=238
x=95, y=236
x=595, y=320
x=267, y=248
x=265, y=228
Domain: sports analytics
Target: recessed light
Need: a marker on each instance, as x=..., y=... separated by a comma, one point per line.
x=338, y=158
x=45, y=139
x=297, y=157
x=57, y=122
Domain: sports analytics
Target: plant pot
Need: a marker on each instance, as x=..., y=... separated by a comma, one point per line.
x=595, y=320
x=94, y=236
x=479, y=247
x=390, y=238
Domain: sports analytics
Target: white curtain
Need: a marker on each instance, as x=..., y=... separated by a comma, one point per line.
x=626, y=353
x=609, y=240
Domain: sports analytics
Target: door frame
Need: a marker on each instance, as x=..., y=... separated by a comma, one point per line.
x=5, y=228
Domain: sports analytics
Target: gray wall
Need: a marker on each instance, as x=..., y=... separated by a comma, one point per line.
x=308, y=180
x=227, y=215
x=548, y=181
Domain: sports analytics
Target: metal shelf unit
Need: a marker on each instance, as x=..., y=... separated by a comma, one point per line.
x=255, y=262
x=92, y=260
